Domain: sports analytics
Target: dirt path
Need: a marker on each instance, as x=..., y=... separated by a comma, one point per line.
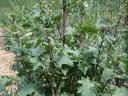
x=7, y=59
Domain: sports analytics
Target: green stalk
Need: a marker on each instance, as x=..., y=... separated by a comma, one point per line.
x=65, y=15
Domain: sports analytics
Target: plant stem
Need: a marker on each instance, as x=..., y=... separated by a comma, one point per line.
x=99, y=53
x=65, y=15
x=50, y=76
x=58, y=28
x=27, y=74
x=82, y=37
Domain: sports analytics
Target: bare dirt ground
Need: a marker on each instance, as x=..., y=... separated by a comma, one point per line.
x=7, y=59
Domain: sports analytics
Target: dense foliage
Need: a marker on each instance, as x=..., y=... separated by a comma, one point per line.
x=70, y=47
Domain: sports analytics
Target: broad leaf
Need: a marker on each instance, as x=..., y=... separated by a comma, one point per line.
x=87, y=88
x=26, y=90
x=36, y=51
x=121, y=92
x=65, y=60
x=107, y=73
x=3, y=82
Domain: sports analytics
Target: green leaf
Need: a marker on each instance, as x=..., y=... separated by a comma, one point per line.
x=36, y=51
x=87, y=88
x=122, y=66
x=37, y=94
x=37, y=65
x=64, y=71
x=121, y=92
x=88, y=27
x=107, y=73
x=27, y=90
x=70, y=30
x=31, y=59
x=28, y=34
x=3, y=82
x=66, y=94
x=106, y=94
x=65, y=60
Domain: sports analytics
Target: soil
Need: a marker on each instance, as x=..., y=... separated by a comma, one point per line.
x=7, y=59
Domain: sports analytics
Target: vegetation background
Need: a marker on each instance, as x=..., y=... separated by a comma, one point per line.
x=67, y=47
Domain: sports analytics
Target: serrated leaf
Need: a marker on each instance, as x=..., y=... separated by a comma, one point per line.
x=26, y=90
x=37, y=94
x=87, y=88
x=107, y=73
x=121, y=92
x=36, y=51
x=65, y=60
x=37, y=65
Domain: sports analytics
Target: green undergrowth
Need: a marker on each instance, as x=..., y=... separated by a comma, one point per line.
x=88, y=59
